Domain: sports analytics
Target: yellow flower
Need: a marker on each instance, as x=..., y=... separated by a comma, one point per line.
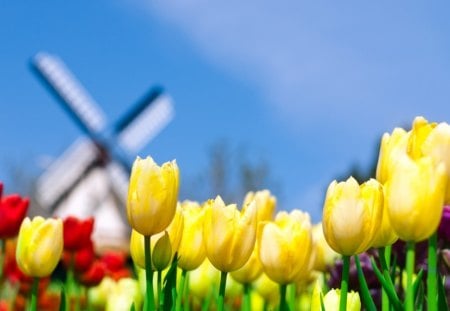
x=415, y=197
x=385, y=235
x=229, y=235
x=332, y=298
x=325, y=255
x=286, y=246
x=203, y=279
x=39, y=246
x=391, y=147
x=267, y=289
x=352, y=214
x=191, y=251
x=433, y=140
x=251, y=270
x=265, y=204
x=99, y=294
x=175, y=230
x=152, y=195
x=124, y=294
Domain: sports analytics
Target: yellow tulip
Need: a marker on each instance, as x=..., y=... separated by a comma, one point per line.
x=39, y=246
x=124, y=294
x=433, y=140
x=175, y=230
x=191, y=251
x=385, y=235
x=352, y=214
x=415, y=197
x=265, y=204
x=286, y=246
x=152, y=195
x=229, y=235
x=251, y=270
x=391, y=147
x=332, y=298
x=99, y=294
x=203, y=279
x=325, y=256
x=267, y=289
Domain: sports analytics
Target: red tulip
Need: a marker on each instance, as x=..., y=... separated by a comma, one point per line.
x=13, y=209
x=77, y=233
x=94, y=275
x=82, y=259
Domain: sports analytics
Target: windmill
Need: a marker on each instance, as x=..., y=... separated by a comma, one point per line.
x=91, y=177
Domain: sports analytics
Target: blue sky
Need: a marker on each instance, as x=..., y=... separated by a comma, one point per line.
x=310, y=87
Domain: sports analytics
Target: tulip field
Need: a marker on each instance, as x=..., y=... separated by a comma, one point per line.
x=383, y=244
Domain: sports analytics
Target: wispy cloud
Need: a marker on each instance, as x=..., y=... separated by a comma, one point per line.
x=326, y=61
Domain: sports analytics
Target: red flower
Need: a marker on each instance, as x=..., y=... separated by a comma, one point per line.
x=77, y=233
x=115, y=263
x=94, y=275
x=13, y=209
x=83, y=258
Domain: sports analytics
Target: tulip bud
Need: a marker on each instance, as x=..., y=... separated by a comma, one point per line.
x=162, y=252
x=351, y=215
x=229, y=235
x=152, y=195
x=191, y=251
x=286, y=246
x=39, y=246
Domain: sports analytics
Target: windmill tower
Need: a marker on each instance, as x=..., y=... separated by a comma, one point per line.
x=91, y=177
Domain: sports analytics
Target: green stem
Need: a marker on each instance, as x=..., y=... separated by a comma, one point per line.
x=432, y=297
x=246, y=304
x=384, y=253
x=367, y=298
x=410, y=258
x=292, y=291
x=223, y=282
x=34, y=294
x=186, y=301
x=181, y=290
x=159, y=288
x=283, y=304
x=149, y=295
x=344, y=283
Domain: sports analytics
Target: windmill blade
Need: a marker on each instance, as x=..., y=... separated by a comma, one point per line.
x=147, y=124
x=65, y=172
x=119, y=178
x=73, y=96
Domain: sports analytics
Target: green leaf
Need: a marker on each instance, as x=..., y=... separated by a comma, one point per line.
x=170, y=285
x=390, y=291
x=417, y=282
x=442, y=297
x=366, y=296
x=62, y=302
x=322, y=305
x=132, y=308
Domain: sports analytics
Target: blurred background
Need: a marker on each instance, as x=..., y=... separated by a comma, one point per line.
x=280, y=95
